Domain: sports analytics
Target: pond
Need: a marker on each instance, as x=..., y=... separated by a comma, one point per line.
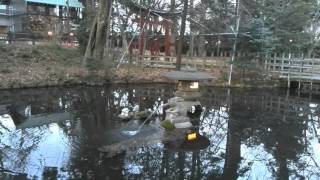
x=55, y=133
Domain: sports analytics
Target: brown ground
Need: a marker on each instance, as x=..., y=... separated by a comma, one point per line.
x=48, y=65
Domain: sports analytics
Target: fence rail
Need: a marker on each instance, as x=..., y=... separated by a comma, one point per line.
x=294, y=69
x=170, y=62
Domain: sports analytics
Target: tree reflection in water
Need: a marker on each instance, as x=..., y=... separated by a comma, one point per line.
x=258, y=135
x=253, y=134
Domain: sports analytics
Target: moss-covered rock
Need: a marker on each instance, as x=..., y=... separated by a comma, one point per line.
x=142, y=115
x=169, y=126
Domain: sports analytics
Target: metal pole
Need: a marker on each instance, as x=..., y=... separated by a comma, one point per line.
x=236, y=33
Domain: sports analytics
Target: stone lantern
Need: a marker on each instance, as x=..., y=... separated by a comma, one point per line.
x=186, y=97
x=188, y=82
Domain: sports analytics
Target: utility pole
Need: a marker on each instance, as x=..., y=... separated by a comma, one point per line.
x=236, y=33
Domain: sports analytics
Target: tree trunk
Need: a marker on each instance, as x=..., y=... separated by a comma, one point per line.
x=174, y=32
x=191, y=44
x=123, y=27
x=182, y=31
x=201, y=47
x=108, y=45
x=91, y=43
x=97, y=40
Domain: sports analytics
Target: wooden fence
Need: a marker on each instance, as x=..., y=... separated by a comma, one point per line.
x=203, y=63
x=206, y=63
x=293, y=68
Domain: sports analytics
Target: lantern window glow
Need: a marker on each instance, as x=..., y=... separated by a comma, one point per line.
x=194, y=85
x=192, y=136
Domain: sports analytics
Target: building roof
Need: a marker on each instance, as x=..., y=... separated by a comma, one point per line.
x=72, y=3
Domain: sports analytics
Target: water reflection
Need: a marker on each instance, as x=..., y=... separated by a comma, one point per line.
x=253, y=134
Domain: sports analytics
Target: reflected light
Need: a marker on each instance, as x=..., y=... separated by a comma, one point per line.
x=54, y=128
x=312, y=105
x=134, y=169
x=7, y=123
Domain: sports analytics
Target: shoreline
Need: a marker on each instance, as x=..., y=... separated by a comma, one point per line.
x=99, y=84
x=38, y=66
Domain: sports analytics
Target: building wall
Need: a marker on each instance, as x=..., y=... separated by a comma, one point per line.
x=18, y=9
x=5, y=22
x=38, y=19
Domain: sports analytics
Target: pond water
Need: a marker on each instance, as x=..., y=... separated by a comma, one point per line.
x=55, y=133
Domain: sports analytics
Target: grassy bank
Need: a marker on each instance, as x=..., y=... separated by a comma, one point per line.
x=49, y=65
x=34, y=66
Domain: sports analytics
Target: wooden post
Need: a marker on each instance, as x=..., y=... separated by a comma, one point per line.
x=204, y=63
x=266, y=62
x=274, y=64
x=312, y=68
x=167, y=39
x=288, y=86
x=141, y=37
x=282, y=64
x=301, y=66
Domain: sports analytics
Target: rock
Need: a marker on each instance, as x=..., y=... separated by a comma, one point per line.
x=183, y=125
x=178, y=111
x=179, y=119
x=172, y=112
x=173, y=101
x=125, y=114
x=136, y=108
x=124, y=117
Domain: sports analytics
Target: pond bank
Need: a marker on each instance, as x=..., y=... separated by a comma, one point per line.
x=46, y=66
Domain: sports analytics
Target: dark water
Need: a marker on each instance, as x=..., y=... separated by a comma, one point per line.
x=254, y=134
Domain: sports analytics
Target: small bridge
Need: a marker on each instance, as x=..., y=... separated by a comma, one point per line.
x=288, y=68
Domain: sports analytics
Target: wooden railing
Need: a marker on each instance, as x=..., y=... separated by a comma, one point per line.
x=301, y=69
x=170, y=62
x=3, y=37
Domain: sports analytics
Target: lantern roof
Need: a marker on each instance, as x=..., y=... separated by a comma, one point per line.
x=67, y=3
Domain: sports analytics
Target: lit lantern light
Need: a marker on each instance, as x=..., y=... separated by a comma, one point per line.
x=194, y=85
x=50, y=33
x=192, y=136
x=71, y=34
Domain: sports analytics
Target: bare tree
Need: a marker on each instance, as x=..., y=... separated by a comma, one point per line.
x=182, y=31
x=98, y=33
